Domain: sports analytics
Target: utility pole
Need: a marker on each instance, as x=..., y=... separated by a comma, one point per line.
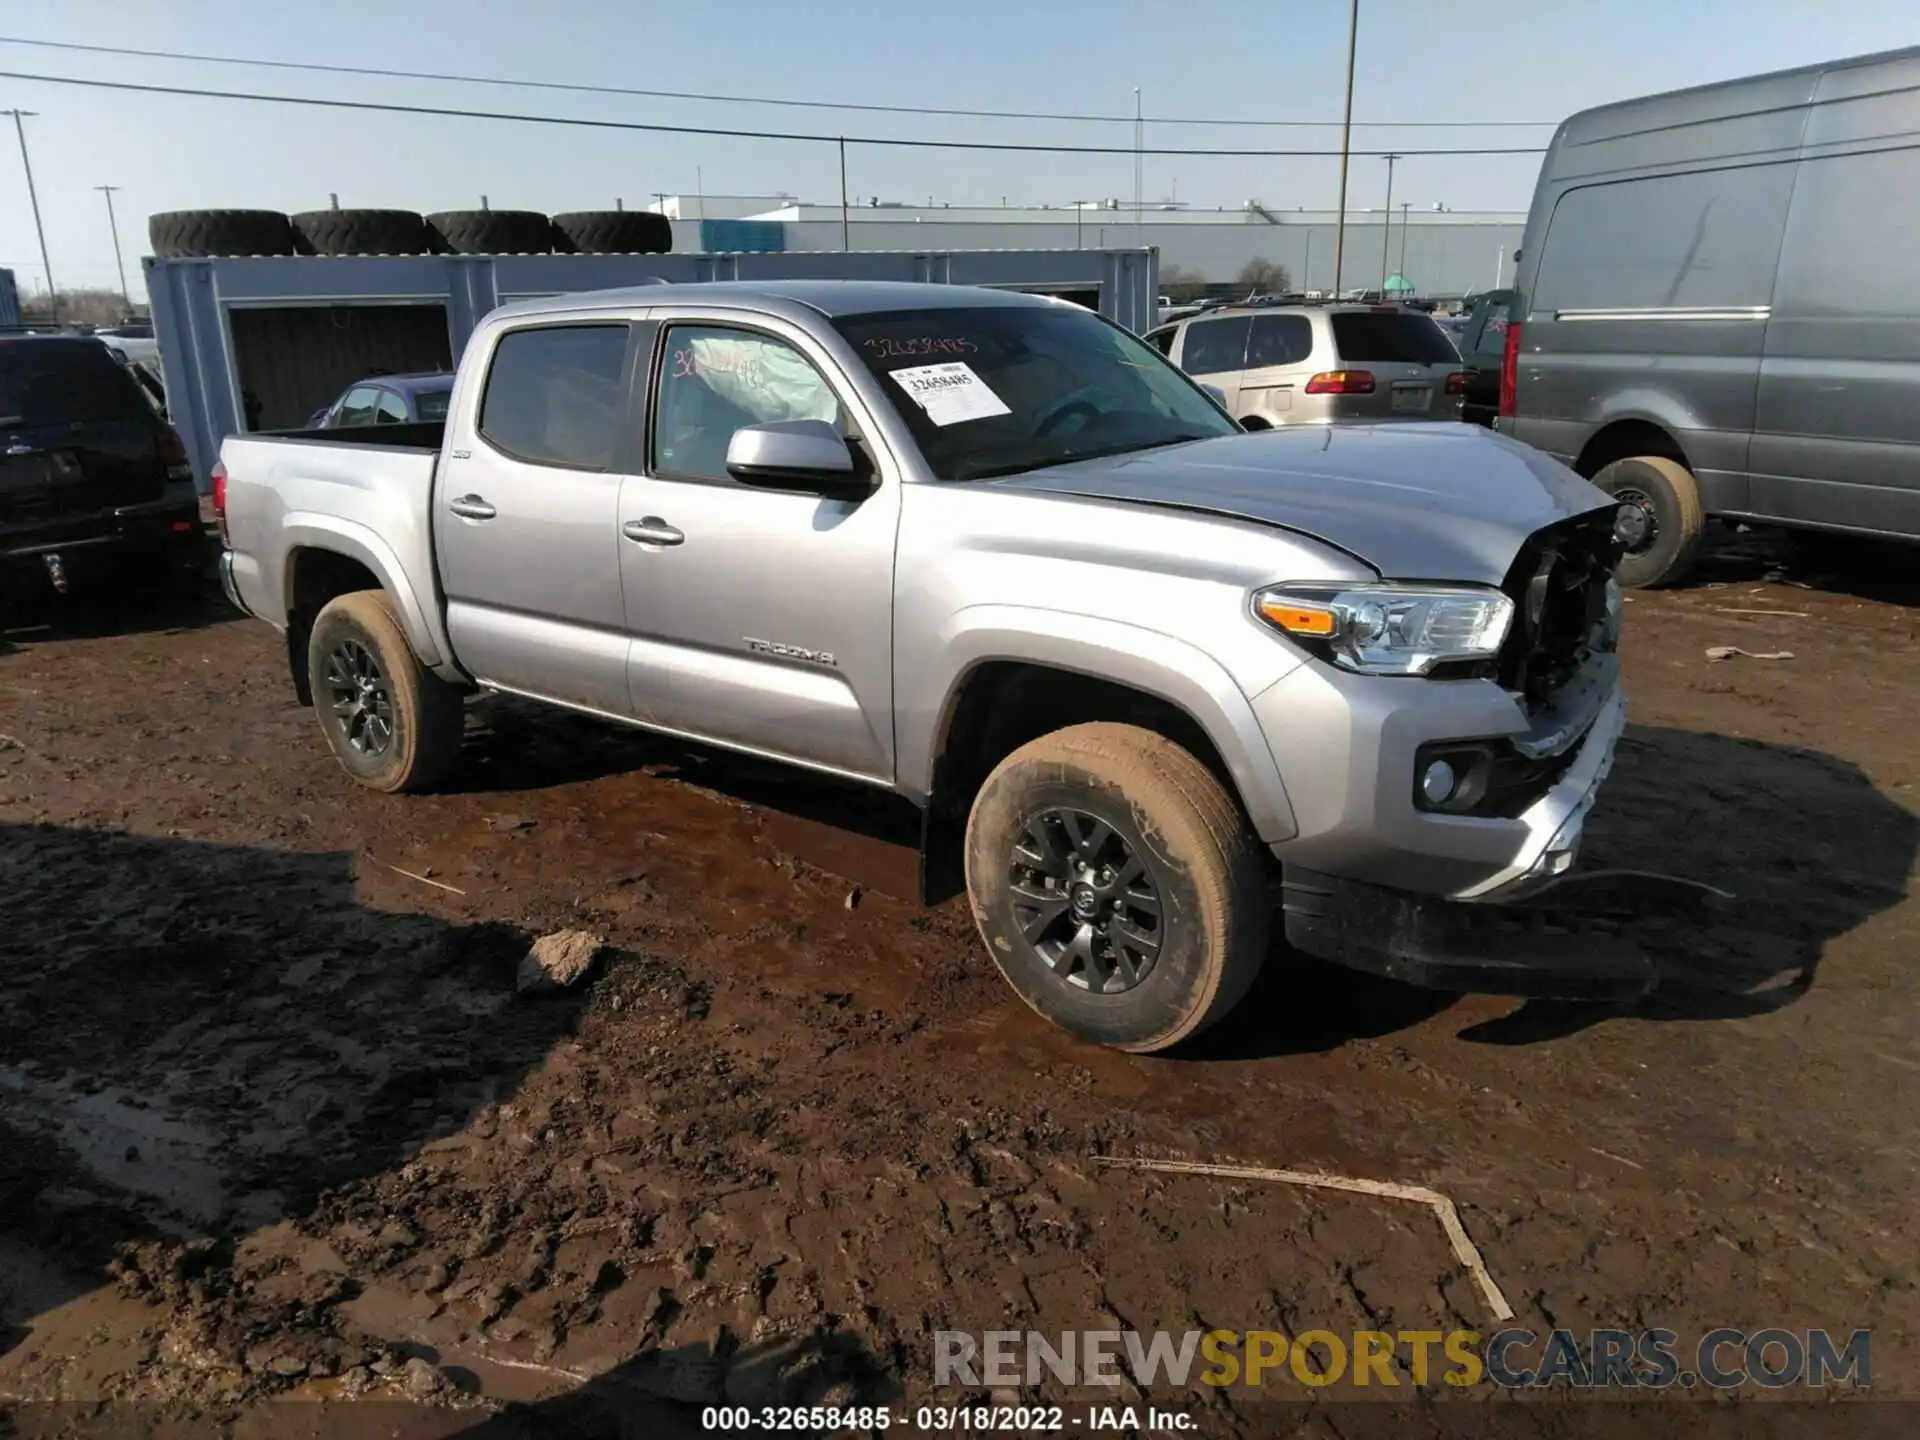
x=1386, y=223
x=1139, y=164
x=33, y=199
x=113, y=226
x=846, y=228
x=1346, y=145
x=1079, y=209
x=1405, y=206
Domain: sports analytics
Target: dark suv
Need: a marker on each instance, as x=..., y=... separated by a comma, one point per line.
x=93, y=482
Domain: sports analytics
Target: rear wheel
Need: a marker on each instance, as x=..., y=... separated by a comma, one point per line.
x=392, y=723
x=1664, y=534
x=1117, y=886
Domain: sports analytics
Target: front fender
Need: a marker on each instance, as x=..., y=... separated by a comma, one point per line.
x=1113, y=650
x=421, y=621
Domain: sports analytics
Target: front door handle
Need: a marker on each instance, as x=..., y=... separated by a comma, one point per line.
x=472, y=507
x=651, y=531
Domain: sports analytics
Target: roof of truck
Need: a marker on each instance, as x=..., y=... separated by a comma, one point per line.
x=828, y=297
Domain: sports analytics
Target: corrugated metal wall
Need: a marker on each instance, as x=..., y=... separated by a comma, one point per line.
x=294, y=359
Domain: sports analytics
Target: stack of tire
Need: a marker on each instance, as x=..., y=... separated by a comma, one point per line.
x=194, y=234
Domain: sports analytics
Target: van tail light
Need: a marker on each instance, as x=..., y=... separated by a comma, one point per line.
x=173, y=454
x=1510, y=371
x=1341, y=382
x=220, y=500
x=1457, y=383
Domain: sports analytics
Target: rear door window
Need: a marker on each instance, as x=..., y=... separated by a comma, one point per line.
x=1214, y=347
x=65, y=382
x=1279, y=340
x=554, y=395
x=390, y=410
x=1396, y=338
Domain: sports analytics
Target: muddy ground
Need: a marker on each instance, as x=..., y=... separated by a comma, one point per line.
x=277, y=1125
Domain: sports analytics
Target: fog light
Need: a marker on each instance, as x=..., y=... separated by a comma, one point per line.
x=1437, y=783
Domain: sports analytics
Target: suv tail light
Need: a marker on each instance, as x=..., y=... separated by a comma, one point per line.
x=1510, y=371
x=173, y=454
x=1457, y=383
x=220, y=500
x=1341, y=382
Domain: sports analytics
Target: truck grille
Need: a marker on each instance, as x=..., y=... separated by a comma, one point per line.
x=1558, y=585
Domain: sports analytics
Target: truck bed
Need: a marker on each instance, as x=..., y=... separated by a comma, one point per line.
x=364, y=494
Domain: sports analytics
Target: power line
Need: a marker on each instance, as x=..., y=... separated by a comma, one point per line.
x=389, y=108
x=582, y=89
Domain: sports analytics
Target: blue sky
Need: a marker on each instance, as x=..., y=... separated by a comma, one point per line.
x=1493, y=60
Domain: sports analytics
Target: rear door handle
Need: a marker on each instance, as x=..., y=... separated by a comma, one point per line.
x=652, y=531
x=472, y=507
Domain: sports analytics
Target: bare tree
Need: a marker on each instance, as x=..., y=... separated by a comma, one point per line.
x=1180, y=284
x=1263, y=277
x=82, y=307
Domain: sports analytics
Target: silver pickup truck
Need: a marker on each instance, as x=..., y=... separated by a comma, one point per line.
x=1152, y=681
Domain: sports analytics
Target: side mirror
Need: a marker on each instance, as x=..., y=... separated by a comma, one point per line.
x=1219, y=395
x=808, y=457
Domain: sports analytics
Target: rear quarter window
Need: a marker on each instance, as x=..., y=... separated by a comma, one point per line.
x=61, y=382
x=1391, y=339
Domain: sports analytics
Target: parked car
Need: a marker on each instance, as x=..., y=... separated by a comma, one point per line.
x=1709, y=320
x=1483, y=349
x=388, y=400
x=94, y=484
x=1320, y=364
x=988, y=551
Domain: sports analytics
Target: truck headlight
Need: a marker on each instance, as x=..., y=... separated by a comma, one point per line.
x=1390, y=629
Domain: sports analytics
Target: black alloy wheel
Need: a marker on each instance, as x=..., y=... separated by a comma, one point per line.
x=1085, y=901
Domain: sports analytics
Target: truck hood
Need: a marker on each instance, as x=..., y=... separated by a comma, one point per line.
x=1415, y=501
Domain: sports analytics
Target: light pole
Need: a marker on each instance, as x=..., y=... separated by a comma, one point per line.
x=33, y=199
x=1386, y=223
x=113, y=227
x=1405, y=206
x=1346, y=143
x=1079, y=210
x=1306, y=266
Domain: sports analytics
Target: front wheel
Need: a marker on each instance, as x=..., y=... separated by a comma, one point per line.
x=391, y=722
x=1117, y=886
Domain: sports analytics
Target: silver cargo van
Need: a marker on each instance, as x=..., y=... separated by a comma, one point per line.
x=1718, y=307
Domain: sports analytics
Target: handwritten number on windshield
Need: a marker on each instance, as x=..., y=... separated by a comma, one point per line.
x=914, y=346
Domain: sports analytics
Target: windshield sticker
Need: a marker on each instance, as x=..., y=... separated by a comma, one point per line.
x=950, y=393
x=910, y=346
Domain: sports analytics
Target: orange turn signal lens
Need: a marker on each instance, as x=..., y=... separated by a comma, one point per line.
x=1295, y=618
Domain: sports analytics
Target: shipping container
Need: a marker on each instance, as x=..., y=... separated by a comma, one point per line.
x=261, y=343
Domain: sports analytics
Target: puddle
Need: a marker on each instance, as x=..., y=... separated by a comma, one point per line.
x=136, y=1148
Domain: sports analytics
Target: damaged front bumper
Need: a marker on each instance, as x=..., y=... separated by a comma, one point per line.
x=1515, y=928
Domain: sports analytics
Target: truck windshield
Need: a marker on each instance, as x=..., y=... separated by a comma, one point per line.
x=1002, y=389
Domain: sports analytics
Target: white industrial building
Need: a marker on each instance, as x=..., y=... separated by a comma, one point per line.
x=1440, y=252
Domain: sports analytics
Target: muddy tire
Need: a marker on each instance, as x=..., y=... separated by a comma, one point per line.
x=390, y=722
x=1117, y=886
x=1667, y=495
